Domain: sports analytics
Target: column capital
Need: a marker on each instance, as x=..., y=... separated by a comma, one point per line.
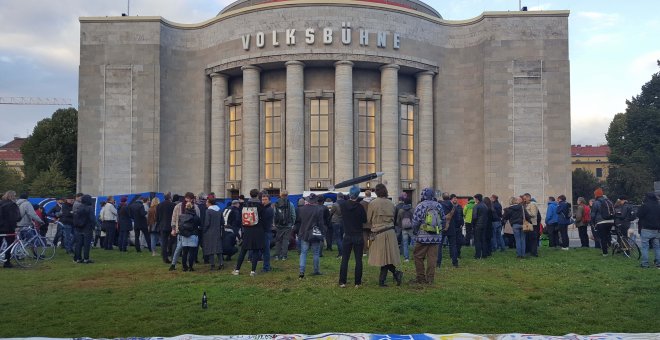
x=344, y=62
x=294, y=63
x=218, y=75
x=425, y=73
x=251, y=67
x=388, y=66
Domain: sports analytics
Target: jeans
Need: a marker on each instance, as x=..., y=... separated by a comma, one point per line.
x=67, y=232
x=282, y=241
x=83, y=241
x=647, y=235
x=356, y=245
x=451, y=236
x=177, y=251
x=316, y=250
x=266, y=252
x=154, y=240
x=497, y=240
x=110, y=230
x=519, y=235
x=407, y=241
x=123, y=240
x=338, y=235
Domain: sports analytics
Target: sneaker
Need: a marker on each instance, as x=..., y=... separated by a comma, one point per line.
x=88, y=261
x=172, y=267
x=343, y=285
x=235, y=272
x=565, y=248
x=357, y=286
x=301, y=275
x=253, y=273
x=604, y=255
x=283, y=258
x=406, y=260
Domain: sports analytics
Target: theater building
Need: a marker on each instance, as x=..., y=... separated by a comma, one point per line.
x=299, y=95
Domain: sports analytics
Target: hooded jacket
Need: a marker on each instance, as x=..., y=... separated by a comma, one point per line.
x=551, y=213
x=467, y=211
x=27, y=213
x=353, y=216
x=649, y=213
x=428, y=202
x=514, y=214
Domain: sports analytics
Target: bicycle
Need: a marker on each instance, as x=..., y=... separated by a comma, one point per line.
x=20, y=251
x=622, y=244
x=41, y=245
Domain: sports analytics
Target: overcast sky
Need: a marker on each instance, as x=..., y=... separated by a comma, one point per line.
x=614, y=46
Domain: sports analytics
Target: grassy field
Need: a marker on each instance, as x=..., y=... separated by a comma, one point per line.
x=134, y=294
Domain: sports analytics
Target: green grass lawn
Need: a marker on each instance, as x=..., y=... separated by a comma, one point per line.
x=576, y=291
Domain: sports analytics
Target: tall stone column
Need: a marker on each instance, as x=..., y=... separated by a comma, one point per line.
x=343, y=121
x=295, y=127
x=389, y=122
x=219, y=90
x=425, y=124
x=251, y=121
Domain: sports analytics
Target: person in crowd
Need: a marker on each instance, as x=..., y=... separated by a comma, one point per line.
x=366, y=228
x=623, y=214
x=532, y=238
x=551, y=221
x=29, y=217
x=397, y=227
x=488, y=231
x=602, y=215
x=404, y=219
x=649, y=228
x=329, y=237
x=509, y=239
x=187, y=200
x=592, y=225
x=109, y=222
x=229, y=240
x=514, y=214
x=139, y=216
x=200, y=202
x=53, y=215
x=353, y=217
x=581, y=222
x=268, y=219
x=66, y=221
x=497, y=241
x=164, y=212
x=152, y=224
x=212, y=229
x=84, y=221
x=296, y=225
x=480, y=219
x=467, y=213
x=428, y=221
x=125, y=224
x=384, y=250
x=254, y=233
x=564, y=215
x=452, y=219
x=458, y=222
x=285, y=217
x=336, y=220
x=10, y=216
x=232, y=217
x=311, y=232
x=42, y=228
x=188, y=229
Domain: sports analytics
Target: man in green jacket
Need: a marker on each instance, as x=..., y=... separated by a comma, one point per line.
x=467, y=216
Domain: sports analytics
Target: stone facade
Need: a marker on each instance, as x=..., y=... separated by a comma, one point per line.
x=321, y=87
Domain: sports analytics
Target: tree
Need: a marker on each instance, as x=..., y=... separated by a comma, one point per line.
x=54, y=140
x=584, y=184
x=10, y=179
x=634, y=141
x=51, y=183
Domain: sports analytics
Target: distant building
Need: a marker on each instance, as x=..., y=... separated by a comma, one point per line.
x=591, y=158
x=11, y=154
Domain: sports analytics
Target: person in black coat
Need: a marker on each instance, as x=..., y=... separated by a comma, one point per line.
x=164, y=212
x=254, y=236
x=480, y=219
x=11, y=215
x=515, y=213
x=139, y=216
x=649, y=228
x=83, y=230
x=125, y=224
x=353, y=216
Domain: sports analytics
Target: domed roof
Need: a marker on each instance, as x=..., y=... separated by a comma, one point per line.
x=408, y=4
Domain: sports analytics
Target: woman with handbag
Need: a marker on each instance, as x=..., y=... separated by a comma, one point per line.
x=384, y=249
x=515, y=214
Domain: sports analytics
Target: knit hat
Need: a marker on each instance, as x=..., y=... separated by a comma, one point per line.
x=311, y=198
x=123, y=199
x=598, y=192
x=428, y=194
x=354, y=192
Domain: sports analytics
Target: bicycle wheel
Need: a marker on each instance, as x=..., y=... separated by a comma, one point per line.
x=23, y=253
x=631, y=249
x=48, y=248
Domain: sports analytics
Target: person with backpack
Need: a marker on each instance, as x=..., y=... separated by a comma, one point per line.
x=602, y=215
x=384, y=249
x=353, y=217
x=254, y=235
x=564, y=216
x=582, y=218
x=649, y=228
x=428, y=221
x=449, y=229
x=9, y=216
x=624, y=213
x=404, y=219
x=84, y=221
x=188, y=231
x=285, y=216
x=179, y=209
x=515, y=214
x=311, y=232
x=592, y=225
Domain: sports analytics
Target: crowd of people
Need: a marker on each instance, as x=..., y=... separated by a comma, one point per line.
x=360, y=226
